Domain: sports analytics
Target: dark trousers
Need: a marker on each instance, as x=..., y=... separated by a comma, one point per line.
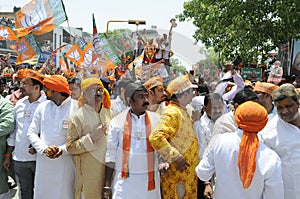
x=200, y=190
x=25, y=172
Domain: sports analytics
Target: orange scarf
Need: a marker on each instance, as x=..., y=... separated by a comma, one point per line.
x=126, y=149
x=251, y=118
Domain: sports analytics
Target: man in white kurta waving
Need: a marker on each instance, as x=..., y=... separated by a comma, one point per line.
x=55, y=168
x=129, y=152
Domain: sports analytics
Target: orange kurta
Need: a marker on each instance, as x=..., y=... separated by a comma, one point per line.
x=172, y=136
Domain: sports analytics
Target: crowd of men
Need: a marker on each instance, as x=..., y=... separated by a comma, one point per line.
x=71, y=138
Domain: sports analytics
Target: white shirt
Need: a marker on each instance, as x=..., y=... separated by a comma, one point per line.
x=54, y=178
x=198, y=102
x=203, y=129
x=225, y=124
x=117, y=105
x=222, y=158
x=23, y=113
x=238, y=80
x=136, y=185
x=284, y=139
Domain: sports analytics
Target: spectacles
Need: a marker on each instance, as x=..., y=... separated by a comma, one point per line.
x=24, y=84
x=94, y=90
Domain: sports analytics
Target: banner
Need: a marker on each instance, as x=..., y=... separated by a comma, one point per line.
x=40, y=17
x=27, y=50
x=107, y=49
x=252, y=74
x=6, y=33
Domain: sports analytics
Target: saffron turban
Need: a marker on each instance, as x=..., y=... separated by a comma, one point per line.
x=32, y=74
x=21, y=73
x=251, y=117
x=264, y=87
x=179, y=85
x=57, y=83
x=86, y=83
x=153, y=82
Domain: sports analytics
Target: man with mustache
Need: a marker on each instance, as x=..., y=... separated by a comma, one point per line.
x=157, y=94
x=129, y=153
x=282, y=134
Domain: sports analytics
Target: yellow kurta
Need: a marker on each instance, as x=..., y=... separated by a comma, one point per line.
x=89, y=157
x=172, y=136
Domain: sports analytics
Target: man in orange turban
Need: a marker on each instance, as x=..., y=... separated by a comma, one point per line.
x=86, y=138
x=54, y=165
x=31, y=87
x=157, y=94
x=244, y=166
x=264, y=92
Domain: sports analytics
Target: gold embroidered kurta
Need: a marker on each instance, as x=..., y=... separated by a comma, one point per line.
x=172, y=136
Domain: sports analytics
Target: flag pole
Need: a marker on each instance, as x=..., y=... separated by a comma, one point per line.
x=72, y=42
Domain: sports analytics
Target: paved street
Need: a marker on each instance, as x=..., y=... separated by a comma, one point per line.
x=14, y=193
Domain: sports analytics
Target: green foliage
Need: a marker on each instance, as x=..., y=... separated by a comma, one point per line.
x=249, y=28
x=177, y=65
x=211, y=60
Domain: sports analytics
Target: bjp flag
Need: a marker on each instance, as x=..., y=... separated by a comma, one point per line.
x=6, y=33
x=27, y=50
x=64, y=66
x=40, y=17
x=75, y=54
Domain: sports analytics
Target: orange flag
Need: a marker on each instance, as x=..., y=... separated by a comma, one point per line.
x=75, y=54
x=40, y=17
x=27, y=50
x=64, y=66
x=6, y=33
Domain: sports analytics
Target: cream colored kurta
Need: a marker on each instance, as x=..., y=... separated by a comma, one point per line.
x=89, y=156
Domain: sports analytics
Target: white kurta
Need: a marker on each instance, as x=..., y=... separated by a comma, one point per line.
x=222, y=158
x=225, y=124
x=284, y=139
x=54, y=178
x=136, y=185
x=203, y=129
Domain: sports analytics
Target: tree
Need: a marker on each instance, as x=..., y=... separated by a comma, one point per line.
x=240, y=27
x=177, y=65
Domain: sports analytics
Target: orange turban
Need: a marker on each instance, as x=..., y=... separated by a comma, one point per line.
x=21, y=73
x=86, y=83
x=251, y=117
x=153, y=82
x=179, y=85
x=265, y=87
x=57, y=83
x=32, y=74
